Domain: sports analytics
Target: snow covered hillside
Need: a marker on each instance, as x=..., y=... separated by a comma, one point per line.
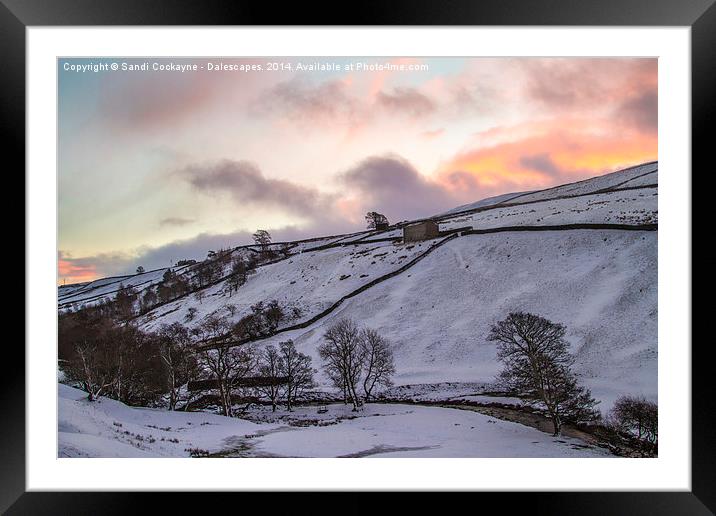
x=436, y=300
x=600, y=283
x=106, y=287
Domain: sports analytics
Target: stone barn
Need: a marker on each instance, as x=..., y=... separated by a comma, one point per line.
x=421, y=231
x=381, y=226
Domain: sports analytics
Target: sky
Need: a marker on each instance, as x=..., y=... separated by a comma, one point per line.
x=176, y=157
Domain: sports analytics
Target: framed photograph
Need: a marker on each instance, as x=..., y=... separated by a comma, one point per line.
x=436, y=249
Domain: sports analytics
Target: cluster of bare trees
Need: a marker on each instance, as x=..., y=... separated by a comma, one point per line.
x=228, y=364
x=285, y=362
x=356, y=357
x=109, y=358
x=224, y=364
x=106, y=359
x=538, y=368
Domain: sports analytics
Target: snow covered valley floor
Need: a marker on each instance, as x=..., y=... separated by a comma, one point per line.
x=108, y=428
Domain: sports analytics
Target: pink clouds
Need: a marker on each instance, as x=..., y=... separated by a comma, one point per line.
x=74, y=272
x=544, y=154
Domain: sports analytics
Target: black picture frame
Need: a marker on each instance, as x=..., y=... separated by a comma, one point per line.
x=699, y=15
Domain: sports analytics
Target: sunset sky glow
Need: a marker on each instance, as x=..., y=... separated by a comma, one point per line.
x=158, y=166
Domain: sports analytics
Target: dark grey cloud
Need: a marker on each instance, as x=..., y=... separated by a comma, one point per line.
x=304, y=101
x=406, y=101
x=392, y=186
x=541, y=163
x=246, y=184
x=176, y=221
x=544, y=164
x=642, y=111
x=464, y=182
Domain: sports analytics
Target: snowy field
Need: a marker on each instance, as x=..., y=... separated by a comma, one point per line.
x=618, y=207
x=490, y=201
x=614, y=180
x=110, y=429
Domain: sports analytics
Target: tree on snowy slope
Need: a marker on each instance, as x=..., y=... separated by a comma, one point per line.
x=343, y=357
x=379, y=365
x=270, y=364
x=238, y=274
x=225, y=364
x=374, y=219
x=175, y=350
x=538, y=368
x=124, y=301
x=262, y=238
x=88, y=357
x=297, y=367
x=638, y=417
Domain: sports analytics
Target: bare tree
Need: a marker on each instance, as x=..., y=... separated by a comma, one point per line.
x=238, y=274
x=176, y=353
x=379, y=365
x=262, y=238
x=637, y=417
x=297, y=367
x=224, y=363
x=139, y=377
x=124, y=301
x=271, y=365
x=538, y=367
x=374, y=219
x=149, y=299
x=342, y=354
x=273, y=314
x=337, y=379
x=92, y=365
x=140, y=270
